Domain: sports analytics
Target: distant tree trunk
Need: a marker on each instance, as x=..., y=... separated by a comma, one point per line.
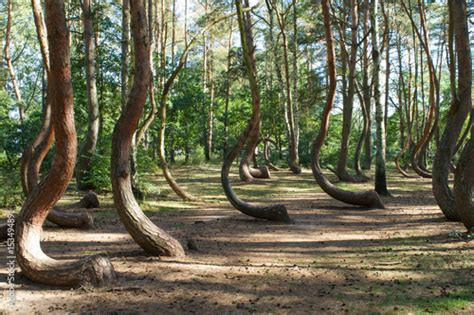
x=380, y=172
x=266, y=154
x=404, y=105
x=152, y=239
x=348, y=103
x=363, y=135
x=89, y=147
x=367, y=90
x=8, y=61
x=35, y=264
x=461, y=104
x=227, y=89
x=426, y=136
x=293, y=160
x=273, y=212
x=296, y=101
x=368, y=198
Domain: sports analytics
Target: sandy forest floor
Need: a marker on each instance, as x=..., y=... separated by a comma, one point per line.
x=334, y=259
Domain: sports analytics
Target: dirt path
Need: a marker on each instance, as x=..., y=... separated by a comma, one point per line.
x=334, y=259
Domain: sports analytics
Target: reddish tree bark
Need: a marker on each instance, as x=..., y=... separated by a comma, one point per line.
x=152, y=239
x=35, y=264
x=461, y=104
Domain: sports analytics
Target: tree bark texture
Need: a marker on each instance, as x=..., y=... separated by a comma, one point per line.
x=461, y=104
x=35, y=264
x=151, y=238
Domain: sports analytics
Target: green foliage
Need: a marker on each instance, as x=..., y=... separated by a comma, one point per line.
x=99, y=176
x=10, y=186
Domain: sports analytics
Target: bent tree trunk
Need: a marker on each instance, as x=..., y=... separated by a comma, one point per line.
x=266, y=154
x=368, y=198
x=460, y=106
x=152, y=239
x=273, y=212
x=34, y=154
x=246, y=172
x=433, y=90
x=35, y=264
x=84, y=163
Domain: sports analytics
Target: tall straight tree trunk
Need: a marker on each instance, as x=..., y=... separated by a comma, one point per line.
x=348, y=103
x=151, y=238
x=211, y=89
x=251, y=133
x=8, y=61
x=88, y=149
x=293, y=159
x=35, y=264
x=367, y=90
x=295, y=78
x=227, y=89
x=368, y=199
x=380, y=172
x=461, y=105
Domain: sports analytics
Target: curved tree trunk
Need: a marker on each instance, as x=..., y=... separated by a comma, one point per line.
x=273, y=212
x=34, y=154
x=368, y=198
x=84, y=162
x=152, y=239
x=460, y=106
x=246, y=172
x=433, y=90
x=35, y=264
x=266, y=154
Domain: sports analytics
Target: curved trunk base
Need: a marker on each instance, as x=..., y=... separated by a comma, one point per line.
x=37, y=266
x=366, y=199
x=174, y=185
x=295, y=168
x=262, y=172
x=273, y=213
x=401, y=170
x=79, y=219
